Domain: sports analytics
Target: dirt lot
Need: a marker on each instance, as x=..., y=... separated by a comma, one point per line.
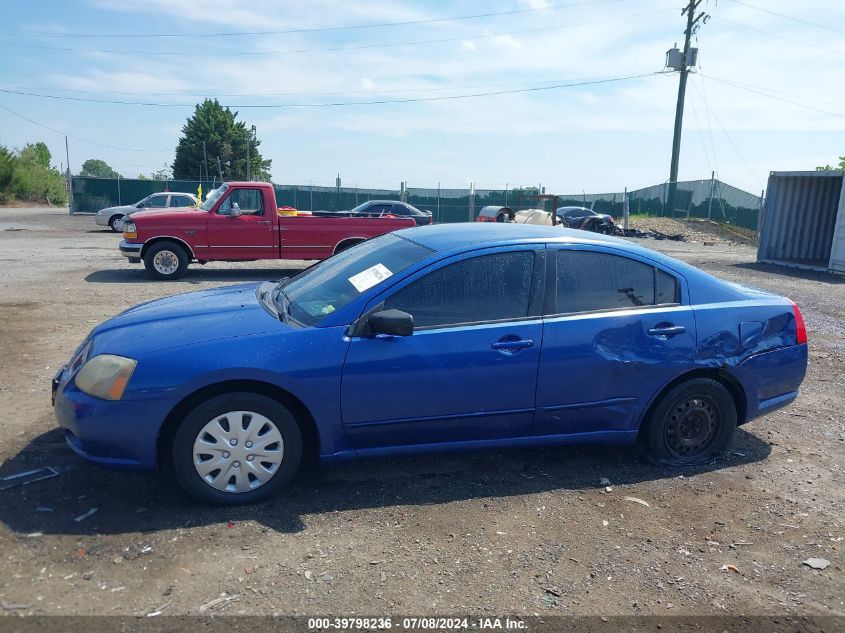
x=522, y=531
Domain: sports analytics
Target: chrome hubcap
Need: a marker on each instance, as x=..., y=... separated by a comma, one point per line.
x=238, y=451
x=118, y=224
x=166, y=262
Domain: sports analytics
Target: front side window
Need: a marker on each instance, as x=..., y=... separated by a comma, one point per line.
x=486, y=288
x=589, y=281
x=250, y=202
x=335, y=282
x=157, y=202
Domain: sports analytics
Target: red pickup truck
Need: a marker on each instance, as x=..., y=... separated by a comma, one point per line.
x=239, y=222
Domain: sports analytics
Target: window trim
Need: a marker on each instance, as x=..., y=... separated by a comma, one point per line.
x=536, y=296
x=550, y=303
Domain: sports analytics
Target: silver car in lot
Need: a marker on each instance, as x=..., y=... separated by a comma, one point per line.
x=112, y=217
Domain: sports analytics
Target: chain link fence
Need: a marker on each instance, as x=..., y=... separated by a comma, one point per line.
x=701, y=199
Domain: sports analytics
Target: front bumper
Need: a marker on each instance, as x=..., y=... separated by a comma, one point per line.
x=130, y=250
x=119, y=434
x=102, y=220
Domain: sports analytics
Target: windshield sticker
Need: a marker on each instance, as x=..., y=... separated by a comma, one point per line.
x=370, y=277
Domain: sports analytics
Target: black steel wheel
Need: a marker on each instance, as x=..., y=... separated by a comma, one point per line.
x=691, y=424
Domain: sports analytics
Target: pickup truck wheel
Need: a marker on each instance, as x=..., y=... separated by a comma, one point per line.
x=165, y=260
x=116, y=223
x=692, y=424
x=236, y=448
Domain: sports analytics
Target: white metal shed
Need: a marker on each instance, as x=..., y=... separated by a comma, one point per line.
x=803, y=220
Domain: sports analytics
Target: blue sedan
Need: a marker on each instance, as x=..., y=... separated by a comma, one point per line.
x=445, y=337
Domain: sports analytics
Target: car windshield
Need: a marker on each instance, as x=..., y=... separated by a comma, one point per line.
x=335, y=282
x=212, y=197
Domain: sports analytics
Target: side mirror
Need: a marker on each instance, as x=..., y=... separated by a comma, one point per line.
x=236, y=211
x=392, y=322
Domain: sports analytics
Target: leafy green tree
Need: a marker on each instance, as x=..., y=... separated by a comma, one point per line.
x=98, y=168
x=36, y=154
x=226, y=142
x=162, y=174
x=841, y=166
x=7, y=173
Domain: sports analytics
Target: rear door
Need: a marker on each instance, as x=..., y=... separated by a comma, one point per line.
x=249, y=236
x=617, y=329
x=469, y=370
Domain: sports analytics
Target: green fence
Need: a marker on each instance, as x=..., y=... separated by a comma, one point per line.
x=711, y=199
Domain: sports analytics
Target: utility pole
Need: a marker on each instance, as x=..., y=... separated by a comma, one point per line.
x=204, y=160
x=69, y=183
x=688, y=58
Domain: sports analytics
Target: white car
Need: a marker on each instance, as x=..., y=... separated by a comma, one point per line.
x=113, y=216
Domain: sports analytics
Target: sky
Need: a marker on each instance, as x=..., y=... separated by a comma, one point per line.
x=579, y=104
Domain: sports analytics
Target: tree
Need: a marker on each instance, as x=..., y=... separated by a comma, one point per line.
x=162, y=174
x=98, y=168
x=7, y=173
x=36, y=154
x=841, y=166
x=226, y=142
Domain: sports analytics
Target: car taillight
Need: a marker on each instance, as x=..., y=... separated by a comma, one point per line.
x=800, y=328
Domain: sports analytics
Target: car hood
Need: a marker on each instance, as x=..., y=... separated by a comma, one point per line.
x=124, y=208
x=185, y=319
x=165, y=214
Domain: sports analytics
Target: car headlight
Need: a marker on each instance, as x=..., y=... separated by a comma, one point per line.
x=105, y=376
x=129, y=230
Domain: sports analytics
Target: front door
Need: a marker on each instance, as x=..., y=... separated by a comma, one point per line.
x=250, y=235
x=469, y=370
x=617, y=330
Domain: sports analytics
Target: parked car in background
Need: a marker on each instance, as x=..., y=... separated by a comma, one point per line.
x=554, y=337
x=382, y=208
x=586, y=219
x=113, y=216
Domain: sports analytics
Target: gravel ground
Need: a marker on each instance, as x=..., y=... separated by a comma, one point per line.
x=520, y=531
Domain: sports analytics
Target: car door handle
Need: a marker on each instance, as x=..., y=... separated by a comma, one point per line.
x=263, y=222
x=513, y=345
x=667, y=330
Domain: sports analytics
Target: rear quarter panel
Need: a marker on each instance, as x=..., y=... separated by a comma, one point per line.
x=755, y=341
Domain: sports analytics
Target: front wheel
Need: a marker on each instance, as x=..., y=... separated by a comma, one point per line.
x=116, y=223
x=166, y=260
x=692, y=424
x=236, y=448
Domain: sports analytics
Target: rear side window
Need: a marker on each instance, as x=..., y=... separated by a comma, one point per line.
x=157, y=202
x=486, y=288
x=588, y=281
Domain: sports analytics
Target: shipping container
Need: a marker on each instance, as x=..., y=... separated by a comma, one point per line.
x=803, y=220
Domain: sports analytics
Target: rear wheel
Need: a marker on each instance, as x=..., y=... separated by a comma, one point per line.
x=236, y=448
x=692, y=424
x=166, y=260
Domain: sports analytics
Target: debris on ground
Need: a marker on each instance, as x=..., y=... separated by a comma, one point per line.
x=27, y=477
x=732, y=568
x=817, y=563
x=90, y=513
x=223, y=598
x=8, y=606
x=638, y=500
x=604, y=481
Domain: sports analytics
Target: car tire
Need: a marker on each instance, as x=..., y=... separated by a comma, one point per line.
x=691, y=424
x=113, y=223
x=166, y=261
x=242, y=477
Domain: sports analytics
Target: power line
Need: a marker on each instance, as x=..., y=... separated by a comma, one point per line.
x=345, y=103
x=782, y=37
x=758, y=91
x=731, y=141
x=790, y=17
x=77, y=138
x=555, y=7
x=371, y=92
x=330, y=49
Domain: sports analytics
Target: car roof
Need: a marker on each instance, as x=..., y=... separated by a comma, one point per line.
x=444, y=237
